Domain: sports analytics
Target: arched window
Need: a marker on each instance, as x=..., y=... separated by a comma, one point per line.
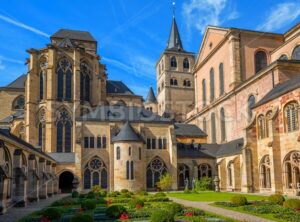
x=155, y=169
x=261, y=126
x=204, y=92
x=183, y=174
x=63, y=132
x=291, y=170
x=129, y=151
x=265, y=173
x=291, y=117
x=212, y=84
x=229, y=173
x=221, y=78
x=269, y=124
x=41, y=129
x=296, y=53
x=223, y=126
x=129, y=170
x=64, y=79
x=283, y=57
x=204, y=170
x=173, y=62
x=6, y=172
x=118, y=151
x=18, y=103
x=175, y=82
x=95, y=173
x=251, y=103
x=85, y=73
x=260, y=61
x=204, y=125
x=187, y=83
x=213, y=128
x=171, y=82
x=42, y=84
x=186, y=64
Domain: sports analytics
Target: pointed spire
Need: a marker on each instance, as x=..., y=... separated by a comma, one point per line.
x=174, y=42
x=127, y=133
x=151, y=96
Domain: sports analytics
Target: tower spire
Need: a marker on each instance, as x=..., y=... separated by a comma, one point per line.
x=173, y=7
x=174, y=42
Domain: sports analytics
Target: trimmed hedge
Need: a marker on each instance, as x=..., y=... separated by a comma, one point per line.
x=52, y=213
x=293, y=204
x=115, y=211
x=239, y=200
x=136, y=202
x=88, y=204
x=160, y=194
x=82, y=218
x=276, y=199
x=162, y=216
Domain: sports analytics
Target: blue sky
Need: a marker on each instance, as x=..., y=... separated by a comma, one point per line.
x=131, y=34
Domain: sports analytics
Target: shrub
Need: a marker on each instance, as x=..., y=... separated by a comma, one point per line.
x=239, y=200
x=158, y=199
x=88, y=204
x=136, y=202
x=96, y=189
x=103, y=193
x=113, y=194
x=115, y=211
x=205, y=183
x=82, y=218
x=165, y=182
x=121, y=200
x=276, y=199
x=141, y=213
x=65, y=201
x=75, y=194
x=124, y=191
x=162, y=216
x=90, y=195
x=142, y=193
x=82, y=195
x=195, y=211
x=125, y=195
x=52, y=213
x=293, y=204
x=175, y=208
x=160, y=194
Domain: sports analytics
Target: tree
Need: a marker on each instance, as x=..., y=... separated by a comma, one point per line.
x=165, y=182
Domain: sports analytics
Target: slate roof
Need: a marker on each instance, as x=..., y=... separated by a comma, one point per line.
x=63, y=157
x=188, y=130
x=74, y=35
x=210, y=150
x=127, y=133
x=6, y=133
x=279, y=90
x=151, y=96
x=18, y=83
x=117, y=87
x=123, y=114
x=174, y=42
x=17, y=115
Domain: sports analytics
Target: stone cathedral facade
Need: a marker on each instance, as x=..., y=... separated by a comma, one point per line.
x=230, y=113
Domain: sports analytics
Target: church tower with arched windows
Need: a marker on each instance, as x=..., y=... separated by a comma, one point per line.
x=175, y=81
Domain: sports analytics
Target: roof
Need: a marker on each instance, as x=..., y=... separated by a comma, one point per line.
x=73, y=35
x=174, y=42
x=279, y=90
x=17, y=115
x=233, y=147
x=18, y=83
x=151, y=96
x=188, y=130
x=6, y=133
x=63, y=157
x=123, y=113
x=117, y=87
x=127, y=133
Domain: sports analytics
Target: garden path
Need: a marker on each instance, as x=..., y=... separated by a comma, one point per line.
x=220, y=211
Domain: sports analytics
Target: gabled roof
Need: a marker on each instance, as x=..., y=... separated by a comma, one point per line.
x=151, y=97
x=73, y=35
x=174, y=42
x=18, y=83
x=127, y=133
x=117, y=87
x=279, y=90
x=188, y=130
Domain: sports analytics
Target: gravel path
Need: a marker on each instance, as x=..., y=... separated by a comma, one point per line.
x=220, y=211
x=13, y=214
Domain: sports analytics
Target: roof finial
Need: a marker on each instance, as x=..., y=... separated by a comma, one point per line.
x=173, y=7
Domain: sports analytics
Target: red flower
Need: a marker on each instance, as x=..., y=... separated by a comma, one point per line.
x=45, y=219
x=124, y=216
x=189, y=214
x=138, y=206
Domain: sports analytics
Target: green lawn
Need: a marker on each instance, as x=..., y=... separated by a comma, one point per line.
x=210, y=196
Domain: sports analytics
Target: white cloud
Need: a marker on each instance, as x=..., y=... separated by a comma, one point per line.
x=24, y=26
x=200, y=13
x=3, y=58
x=280, y=15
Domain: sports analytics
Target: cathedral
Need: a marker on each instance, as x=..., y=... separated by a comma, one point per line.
x=229, y=112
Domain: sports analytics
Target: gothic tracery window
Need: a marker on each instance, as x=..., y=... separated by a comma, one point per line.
x=64, y=79
x=64, y=132
x=291, y=170
x=41, y=128
x=291, y=117
x=95, y=173
x=85, y=78
x=155, y=169
x=265, y=173
x=204, y=170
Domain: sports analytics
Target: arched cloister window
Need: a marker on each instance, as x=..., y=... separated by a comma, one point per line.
x=18, y=103
x=64, y=79
x=283, y=57
x=64, y=132
x=204, y=170
x=296, y=53
x=155, y=169
x=95, y=173
x=118, y=152
x=41, y=129
x=230, y=169
x=261, y=126
x=183, y=173
x=251, y=103
x=291, y=117
x=260, y=61
x=204, y=92
x=85, y=76
x=173, y=62
x=265, y=173
x=6, y=172
x=212, y=84
x=213, y=128
x=291, y=170
x=223, y=124
x=221, y=78
x=186, y=64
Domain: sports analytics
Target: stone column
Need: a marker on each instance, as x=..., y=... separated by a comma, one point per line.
x=50, y=179
x=33, y=180
x=43, y=179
